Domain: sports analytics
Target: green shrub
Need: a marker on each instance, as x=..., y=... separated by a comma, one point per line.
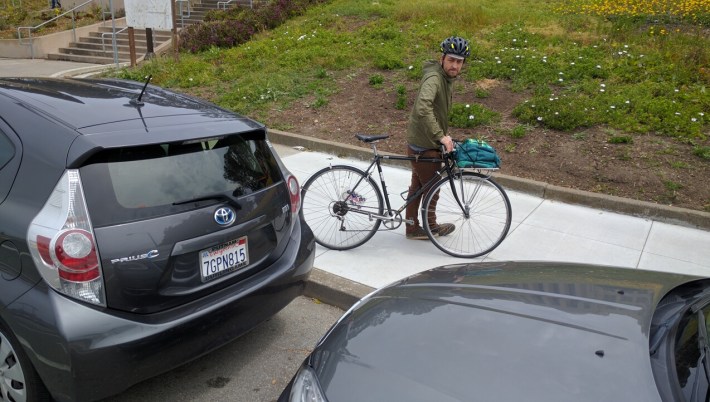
x=401, y=97
x=228, y=28
x=376, y=80
x=468, y=116
x=518, y=131
x=702, y=152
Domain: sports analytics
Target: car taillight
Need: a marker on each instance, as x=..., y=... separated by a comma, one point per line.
x=294, y=191
x=76, y=253
x=62, y=243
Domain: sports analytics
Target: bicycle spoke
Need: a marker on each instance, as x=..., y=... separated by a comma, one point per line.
x=336, y=205
x=482, y=223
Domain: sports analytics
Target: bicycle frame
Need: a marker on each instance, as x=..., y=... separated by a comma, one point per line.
x=377, y=161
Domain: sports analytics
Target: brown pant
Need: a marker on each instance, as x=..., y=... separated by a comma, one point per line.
x=422, y=172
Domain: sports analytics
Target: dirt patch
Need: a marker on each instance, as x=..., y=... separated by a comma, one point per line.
x=651, y=168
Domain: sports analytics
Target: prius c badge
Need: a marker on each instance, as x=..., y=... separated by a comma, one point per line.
x=224, y=216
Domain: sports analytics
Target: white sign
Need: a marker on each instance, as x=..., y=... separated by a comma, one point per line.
x=154, y=14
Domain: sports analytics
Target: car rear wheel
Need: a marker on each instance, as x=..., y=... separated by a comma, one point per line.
x=19, y=381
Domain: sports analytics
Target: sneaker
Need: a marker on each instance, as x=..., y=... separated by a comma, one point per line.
x=444, y=229
x=417, y=234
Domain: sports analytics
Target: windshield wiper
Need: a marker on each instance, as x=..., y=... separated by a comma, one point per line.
x=230, y=199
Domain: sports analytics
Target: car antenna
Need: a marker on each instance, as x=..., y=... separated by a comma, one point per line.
x=137, y=100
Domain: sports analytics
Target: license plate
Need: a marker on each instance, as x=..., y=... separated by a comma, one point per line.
x=223, y=259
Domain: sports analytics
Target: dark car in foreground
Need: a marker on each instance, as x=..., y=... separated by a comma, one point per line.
x=517, y=331
x=139, y=229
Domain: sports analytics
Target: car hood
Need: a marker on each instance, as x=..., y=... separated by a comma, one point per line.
x=498, y=331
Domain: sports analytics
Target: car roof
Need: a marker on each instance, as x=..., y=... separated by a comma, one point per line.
x=82, y=103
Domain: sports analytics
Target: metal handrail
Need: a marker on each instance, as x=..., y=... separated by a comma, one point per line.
x=182, y=16
x=30, y=29
x=226, y=2
x=188, y=7
x=114, y=33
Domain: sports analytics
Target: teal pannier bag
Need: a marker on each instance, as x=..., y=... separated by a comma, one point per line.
x=476, y=154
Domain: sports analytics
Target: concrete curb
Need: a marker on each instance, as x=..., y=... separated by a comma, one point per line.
x=335, y=290
x=662, y=213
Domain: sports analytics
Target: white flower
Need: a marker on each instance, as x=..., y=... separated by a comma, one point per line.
x=552, y=99
x=572, y=63
x=627, y=102
x=498, y=61
x=301, y=37
x=601, y=90
x=470, y=117
x=410, y=67
x=613, y=107
x=602, y=85
x=557, y=113
x=468, y=106
x=561, y=73
x=560, y=80
x=693, y=119
x=598, y=66
x=676, y=90
x=539, y=118
x=190, y=78
x=677, y=113
x=701, y=113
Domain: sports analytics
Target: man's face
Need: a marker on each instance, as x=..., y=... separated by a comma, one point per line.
x=451, y=65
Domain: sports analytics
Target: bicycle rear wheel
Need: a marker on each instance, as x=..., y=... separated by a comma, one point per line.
x=338, y=202
x=481, y=220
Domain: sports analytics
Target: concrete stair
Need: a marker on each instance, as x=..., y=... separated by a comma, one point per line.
x=97, y=46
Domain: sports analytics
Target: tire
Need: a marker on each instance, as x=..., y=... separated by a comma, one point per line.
x=340, y=222
x=482, y=229
x=18, y=379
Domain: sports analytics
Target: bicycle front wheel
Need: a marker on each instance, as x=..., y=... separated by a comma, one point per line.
x=476, y=206
x=338, y=204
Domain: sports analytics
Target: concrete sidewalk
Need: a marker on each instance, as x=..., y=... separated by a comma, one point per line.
x=47, y=68
x=542, y=229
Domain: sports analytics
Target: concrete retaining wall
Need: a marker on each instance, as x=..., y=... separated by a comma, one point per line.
x=43, y=45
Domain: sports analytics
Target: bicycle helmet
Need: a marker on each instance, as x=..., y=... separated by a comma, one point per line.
x=455, y=46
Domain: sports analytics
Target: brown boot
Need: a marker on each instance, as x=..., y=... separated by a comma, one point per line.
x=443, y=229
x=416, y=233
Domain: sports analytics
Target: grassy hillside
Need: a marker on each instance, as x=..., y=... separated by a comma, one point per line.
x=636, y=66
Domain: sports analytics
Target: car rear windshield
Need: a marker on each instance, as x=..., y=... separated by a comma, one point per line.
x=136, y=183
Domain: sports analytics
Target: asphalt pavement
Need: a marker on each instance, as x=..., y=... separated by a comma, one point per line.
x=550, y=223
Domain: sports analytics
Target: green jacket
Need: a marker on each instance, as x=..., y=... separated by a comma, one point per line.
x=429, y=121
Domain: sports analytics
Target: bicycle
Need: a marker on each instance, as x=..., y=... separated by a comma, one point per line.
x=344, y=206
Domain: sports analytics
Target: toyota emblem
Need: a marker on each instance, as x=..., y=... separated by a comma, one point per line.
x=224, y=216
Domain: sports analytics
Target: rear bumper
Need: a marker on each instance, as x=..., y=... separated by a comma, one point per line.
x=83, y=353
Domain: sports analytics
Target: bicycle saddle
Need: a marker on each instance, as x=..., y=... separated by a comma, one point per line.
x=371, y=138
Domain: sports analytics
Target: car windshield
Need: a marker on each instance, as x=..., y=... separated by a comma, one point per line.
x=691, y=358
x=142, y=182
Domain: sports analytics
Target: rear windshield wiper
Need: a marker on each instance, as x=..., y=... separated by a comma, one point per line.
x=230, y=199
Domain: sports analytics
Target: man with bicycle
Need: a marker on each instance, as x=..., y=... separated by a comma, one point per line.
x=428, y=127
